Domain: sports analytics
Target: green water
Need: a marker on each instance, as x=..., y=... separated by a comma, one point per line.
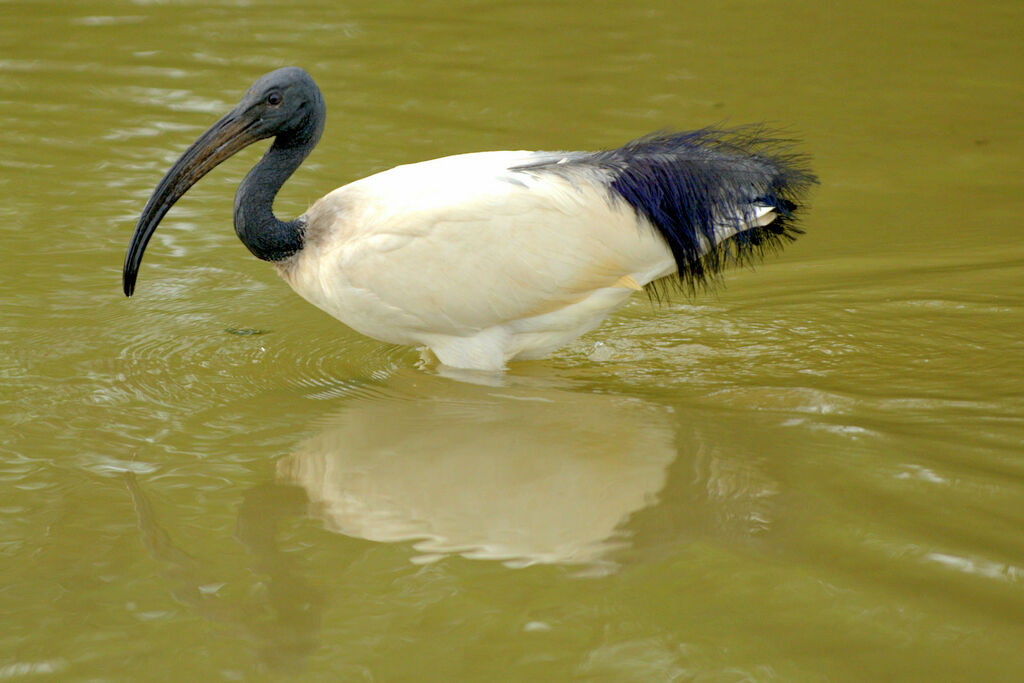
x=813, y=473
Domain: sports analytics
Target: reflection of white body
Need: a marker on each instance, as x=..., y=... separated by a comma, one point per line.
x=538, y=478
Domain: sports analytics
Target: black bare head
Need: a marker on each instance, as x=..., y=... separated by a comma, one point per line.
x=284, y=104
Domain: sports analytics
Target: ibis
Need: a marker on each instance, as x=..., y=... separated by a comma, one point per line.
x=490, y=257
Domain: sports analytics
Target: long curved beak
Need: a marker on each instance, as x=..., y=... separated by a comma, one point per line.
x=230, y=134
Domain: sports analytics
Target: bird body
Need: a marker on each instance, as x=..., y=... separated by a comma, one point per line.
x=490, y=257
x=477, y=262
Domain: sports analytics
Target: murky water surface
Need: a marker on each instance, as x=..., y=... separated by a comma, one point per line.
x=815, y=472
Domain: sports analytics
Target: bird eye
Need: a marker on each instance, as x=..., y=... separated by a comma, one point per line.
x=274, y=99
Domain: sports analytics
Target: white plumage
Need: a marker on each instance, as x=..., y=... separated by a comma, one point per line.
x=477, y=262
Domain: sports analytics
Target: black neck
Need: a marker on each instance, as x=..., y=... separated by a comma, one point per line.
x=259, y=229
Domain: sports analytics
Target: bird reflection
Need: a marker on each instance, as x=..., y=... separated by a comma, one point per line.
x=522, y=476
x=284, y=622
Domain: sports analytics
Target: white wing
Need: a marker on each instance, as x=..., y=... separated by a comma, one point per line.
x=480, y=263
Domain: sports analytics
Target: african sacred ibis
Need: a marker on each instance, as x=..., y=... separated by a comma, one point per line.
x=490, y=257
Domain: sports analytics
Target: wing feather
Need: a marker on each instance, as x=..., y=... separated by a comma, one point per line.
x=462, y=244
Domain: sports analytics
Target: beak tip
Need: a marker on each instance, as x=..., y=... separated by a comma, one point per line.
x=129, y=285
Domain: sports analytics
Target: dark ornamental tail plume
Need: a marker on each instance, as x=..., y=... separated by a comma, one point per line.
x=691, y=185
x=687, y=184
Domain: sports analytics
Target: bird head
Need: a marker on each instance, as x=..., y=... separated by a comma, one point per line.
x=285, y=104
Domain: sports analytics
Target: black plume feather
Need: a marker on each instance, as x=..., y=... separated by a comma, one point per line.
x=689, y=184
